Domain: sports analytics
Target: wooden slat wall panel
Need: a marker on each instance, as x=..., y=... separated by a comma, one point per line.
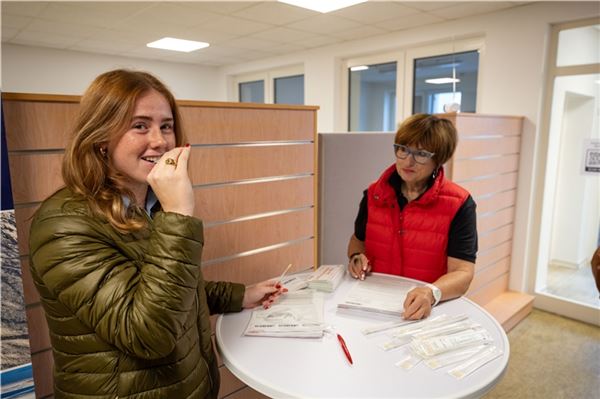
x=230, y=125
x=492, y=255
x=39, y=337
x=486, y=163
x=490, y=291
x=227, y=164
x=495, y=237
x=29, y=292
x=491, y=221
x=491, y=146
x=41, y=365
x=43, y=176
x=472, y=168
x=300, y=254
x=493, y=184
x=23, y=217
x=230, y=142
x=496, y=201
x=490, y=273
x=48, y=130
x=233, y=201
x=484, y=125
x=232, y=238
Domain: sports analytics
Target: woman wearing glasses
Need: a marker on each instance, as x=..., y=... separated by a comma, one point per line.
x=415, y=223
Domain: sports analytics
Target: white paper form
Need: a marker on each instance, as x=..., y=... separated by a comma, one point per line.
x=379, y=294
x=296, y=314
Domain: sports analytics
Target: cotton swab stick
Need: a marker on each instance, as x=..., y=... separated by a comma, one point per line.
x=284, y=272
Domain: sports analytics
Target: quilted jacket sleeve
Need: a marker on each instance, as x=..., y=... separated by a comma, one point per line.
x=223, y=297
x=138, y=304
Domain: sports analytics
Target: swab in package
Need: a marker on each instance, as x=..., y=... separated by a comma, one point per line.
x=435, y=345
x=468, y=367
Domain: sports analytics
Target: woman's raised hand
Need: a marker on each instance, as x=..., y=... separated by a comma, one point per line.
x=171, y=182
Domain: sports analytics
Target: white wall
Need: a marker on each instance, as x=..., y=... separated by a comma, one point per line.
x=40, y=70
x=570, y=225
x=511, y=82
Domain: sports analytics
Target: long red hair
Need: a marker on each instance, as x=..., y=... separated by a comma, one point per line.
x=105, y=111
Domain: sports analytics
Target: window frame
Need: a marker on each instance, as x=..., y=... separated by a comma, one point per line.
x=268, y=76
x=438, y=49
x=343, y=119
x=404, y=59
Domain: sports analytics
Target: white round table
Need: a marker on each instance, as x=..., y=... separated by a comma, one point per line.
x=317, y=368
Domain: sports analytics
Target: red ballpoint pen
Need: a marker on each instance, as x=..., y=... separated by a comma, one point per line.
x=345, y=348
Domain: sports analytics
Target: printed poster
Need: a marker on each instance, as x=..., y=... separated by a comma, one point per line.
x=591, y=157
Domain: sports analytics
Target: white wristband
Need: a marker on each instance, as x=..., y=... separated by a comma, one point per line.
x=437, y=294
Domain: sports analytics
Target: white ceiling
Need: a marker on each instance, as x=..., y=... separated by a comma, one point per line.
x=238, y=31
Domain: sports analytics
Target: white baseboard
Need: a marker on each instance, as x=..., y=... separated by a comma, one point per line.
x=570, y=265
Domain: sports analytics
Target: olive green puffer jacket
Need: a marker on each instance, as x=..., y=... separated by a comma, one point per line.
x=128, y=313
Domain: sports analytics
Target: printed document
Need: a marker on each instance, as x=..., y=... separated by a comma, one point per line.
x=379, y=294
x=295, y=314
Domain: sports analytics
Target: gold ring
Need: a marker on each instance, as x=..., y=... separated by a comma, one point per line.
x=170, y=161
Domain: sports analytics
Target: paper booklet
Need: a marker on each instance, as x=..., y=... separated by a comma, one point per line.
x=296, y=314
x=326, y=278
x=379, y=294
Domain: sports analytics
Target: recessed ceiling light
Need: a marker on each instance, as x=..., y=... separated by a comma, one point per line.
x=169, y=43
x=359, y=68
x=441, y=81
x=323, y=5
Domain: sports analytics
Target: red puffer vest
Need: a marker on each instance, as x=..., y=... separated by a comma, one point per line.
x=412, y=242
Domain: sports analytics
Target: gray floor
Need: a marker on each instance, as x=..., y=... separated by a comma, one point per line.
x=574, y=284
x=551, y=357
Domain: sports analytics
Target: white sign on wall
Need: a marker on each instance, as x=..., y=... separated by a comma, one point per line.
x=591, y=157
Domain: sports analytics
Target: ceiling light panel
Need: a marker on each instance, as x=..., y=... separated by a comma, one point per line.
x=321, y=5
x=170, y=43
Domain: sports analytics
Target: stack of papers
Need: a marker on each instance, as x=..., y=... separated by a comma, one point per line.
x=326, y=278
x=379, y=294
x=295, y=314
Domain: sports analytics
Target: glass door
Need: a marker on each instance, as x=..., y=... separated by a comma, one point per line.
x=569, y=229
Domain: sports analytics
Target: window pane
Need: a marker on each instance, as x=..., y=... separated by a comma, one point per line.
x=579, y=46
x=252, y=92
x=434, y=86
x=372, y=102
x=289, y=90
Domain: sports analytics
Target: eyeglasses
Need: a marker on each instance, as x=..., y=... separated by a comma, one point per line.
x=420, y=156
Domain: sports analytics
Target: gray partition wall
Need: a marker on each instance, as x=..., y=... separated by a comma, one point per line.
x=348, y=163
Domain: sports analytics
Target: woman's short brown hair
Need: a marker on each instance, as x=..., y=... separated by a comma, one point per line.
x=105, y=111
x=430, y=133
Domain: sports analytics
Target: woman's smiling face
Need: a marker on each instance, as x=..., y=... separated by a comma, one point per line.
x=149, y=135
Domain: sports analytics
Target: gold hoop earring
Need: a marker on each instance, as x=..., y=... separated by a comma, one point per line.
x=103, y=152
